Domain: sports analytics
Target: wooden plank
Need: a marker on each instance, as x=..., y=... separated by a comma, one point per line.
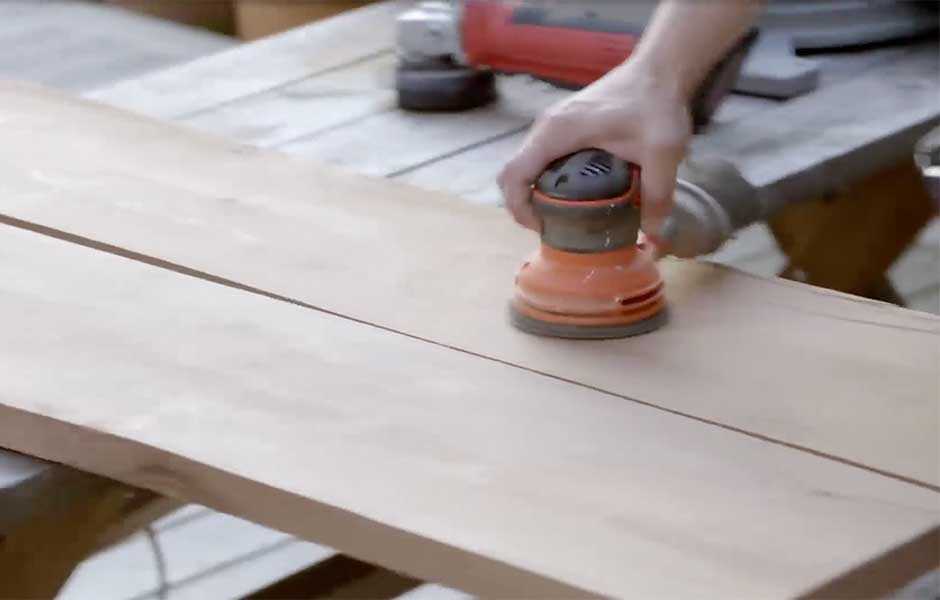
x=81, y=45
x=394, y=141
x=816, y=145
x=434, y=268
x=305, y=108
x=258, y=67
x=470, y=174
x=306, y=422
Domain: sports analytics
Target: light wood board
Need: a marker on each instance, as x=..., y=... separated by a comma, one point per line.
x=448, y=467
x=849, y=378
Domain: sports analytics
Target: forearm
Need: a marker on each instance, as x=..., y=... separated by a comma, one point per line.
x=686, y=38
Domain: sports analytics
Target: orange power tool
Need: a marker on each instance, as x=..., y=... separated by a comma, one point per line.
x=592, y=277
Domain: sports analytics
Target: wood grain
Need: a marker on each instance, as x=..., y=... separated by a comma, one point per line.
x=829, y=373
x=306, y=108
x=395, y=140
x=421, y=459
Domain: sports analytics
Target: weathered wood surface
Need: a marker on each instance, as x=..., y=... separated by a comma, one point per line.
x=821, y=143
x=310, y=92
x=292, y=56
x=369, y=441
x=78, y=46
x=440, y=270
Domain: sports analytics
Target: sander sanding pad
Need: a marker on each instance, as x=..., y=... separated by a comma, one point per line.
x=584, y=332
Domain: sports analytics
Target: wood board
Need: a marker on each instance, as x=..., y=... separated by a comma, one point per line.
x=258, y=67
x=448, y=467
x=848, y=378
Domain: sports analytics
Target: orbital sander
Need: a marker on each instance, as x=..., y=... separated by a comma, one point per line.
x=593, y=277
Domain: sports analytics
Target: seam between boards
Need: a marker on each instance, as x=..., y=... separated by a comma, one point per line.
x=230, y=283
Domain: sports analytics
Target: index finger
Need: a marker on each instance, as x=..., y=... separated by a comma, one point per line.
x=547, y=140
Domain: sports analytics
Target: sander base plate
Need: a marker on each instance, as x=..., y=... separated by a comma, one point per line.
x=584, y=332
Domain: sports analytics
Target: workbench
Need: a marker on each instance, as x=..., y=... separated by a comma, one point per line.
x=834, y=167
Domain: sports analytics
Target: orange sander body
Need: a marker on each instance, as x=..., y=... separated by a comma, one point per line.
x=592, y=277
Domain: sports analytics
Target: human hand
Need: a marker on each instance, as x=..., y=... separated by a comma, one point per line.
x=633, y=113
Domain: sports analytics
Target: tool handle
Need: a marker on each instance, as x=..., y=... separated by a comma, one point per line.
x=711, y=202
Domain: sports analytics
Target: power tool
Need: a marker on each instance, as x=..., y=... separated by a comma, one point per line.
x=592, y=276
x=449, y=51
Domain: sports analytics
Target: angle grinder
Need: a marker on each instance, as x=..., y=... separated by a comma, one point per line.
x=449, y=51
x=592, y=276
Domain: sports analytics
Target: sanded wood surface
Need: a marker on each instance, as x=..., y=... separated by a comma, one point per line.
x=423, y=459
x=851, y=379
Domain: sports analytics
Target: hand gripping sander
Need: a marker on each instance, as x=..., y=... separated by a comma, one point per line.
x=592, y=277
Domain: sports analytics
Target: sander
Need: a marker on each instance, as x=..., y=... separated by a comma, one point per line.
x=593, y=277
x=449, y=51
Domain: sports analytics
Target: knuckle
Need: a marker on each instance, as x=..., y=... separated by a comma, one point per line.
x=509, y=174
x=502, y=179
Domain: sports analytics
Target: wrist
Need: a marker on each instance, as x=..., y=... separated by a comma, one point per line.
x=657, y=70
x=639, y=75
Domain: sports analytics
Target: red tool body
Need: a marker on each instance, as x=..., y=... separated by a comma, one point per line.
x=449, y=53
x=520, y=38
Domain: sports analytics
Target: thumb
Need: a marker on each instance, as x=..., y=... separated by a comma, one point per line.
x=658, y=184
x=549, y=138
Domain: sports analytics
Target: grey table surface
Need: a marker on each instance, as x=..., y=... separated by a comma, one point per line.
x=77, y=46
x=325, y=91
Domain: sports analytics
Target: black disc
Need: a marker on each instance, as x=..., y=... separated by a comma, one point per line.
x=452, y=88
